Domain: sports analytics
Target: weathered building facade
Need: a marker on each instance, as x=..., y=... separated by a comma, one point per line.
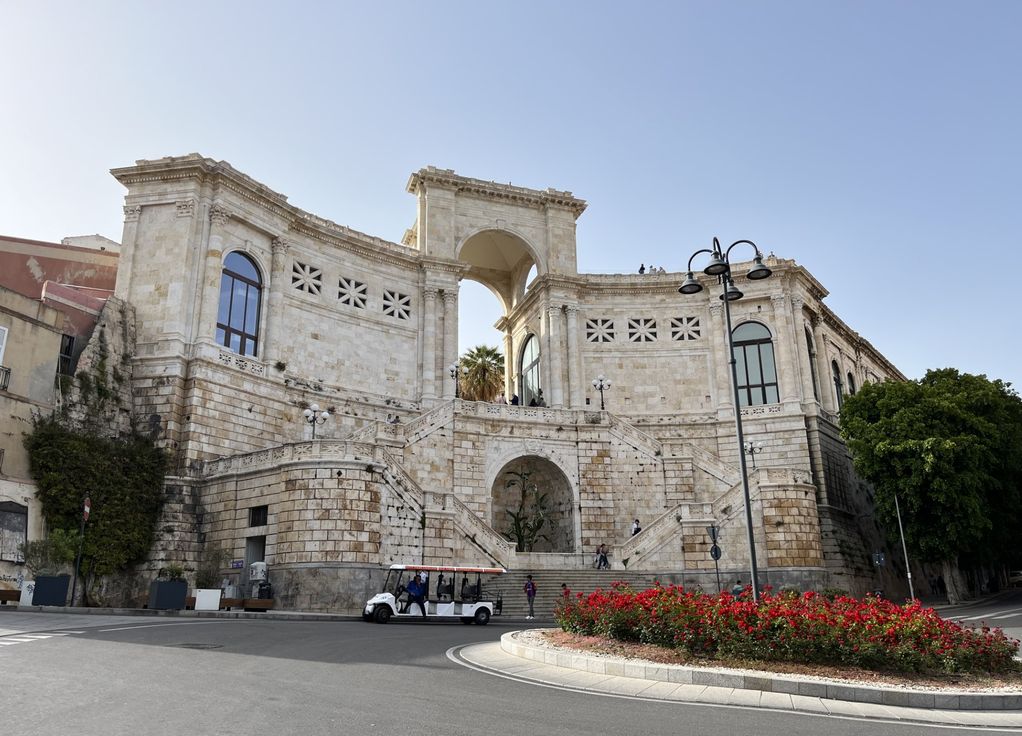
x=248, y=310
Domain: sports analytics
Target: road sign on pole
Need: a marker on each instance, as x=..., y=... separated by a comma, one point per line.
x=86, y=509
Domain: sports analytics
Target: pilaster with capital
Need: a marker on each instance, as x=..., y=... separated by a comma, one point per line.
x=219, y=216
x=575, y=389
x=788, y=377
x=450, y=349
x=429, y=295
x=809, y=391
x=556, y=355
x=271, y=342
x=720, y=366
x=122, y=289
x=827, y=397
x=509, y=365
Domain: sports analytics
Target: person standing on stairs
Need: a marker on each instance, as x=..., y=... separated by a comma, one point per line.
x=530, y=595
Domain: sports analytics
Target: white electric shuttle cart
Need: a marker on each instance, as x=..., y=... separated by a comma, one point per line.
x=468, y=594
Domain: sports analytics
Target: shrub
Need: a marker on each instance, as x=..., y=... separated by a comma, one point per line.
x=871, y=633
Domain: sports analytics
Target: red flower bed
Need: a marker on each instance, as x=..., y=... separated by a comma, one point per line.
x=872, y=632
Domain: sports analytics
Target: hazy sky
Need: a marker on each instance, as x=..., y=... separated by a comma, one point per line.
x=876, y=143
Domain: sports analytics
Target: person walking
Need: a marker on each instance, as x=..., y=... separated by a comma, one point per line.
x=530, y=595
x=636, y=527
x=601, y=558
x=737, y=589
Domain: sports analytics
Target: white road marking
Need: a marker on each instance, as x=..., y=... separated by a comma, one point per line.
x=992, y=614
x=152, y=626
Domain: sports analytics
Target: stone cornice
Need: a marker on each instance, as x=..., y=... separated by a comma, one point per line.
x=490, y=189
x=222, y=176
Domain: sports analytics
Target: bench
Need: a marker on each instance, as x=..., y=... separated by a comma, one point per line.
x=9, y=596
x=247, y=604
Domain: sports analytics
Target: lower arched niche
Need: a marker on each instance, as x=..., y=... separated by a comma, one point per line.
x=544, y=482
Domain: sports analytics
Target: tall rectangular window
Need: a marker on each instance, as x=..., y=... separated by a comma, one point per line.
x=13, y=530
x=65, y=366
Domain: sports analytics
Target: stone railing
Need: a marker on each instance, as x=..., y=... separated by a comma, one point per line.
x=396, y=475
x=653, y=536
x=637, y=438
x=714, y=466
x=325, y=449
x=486, y=537
x=486, y=410
x=428, y=422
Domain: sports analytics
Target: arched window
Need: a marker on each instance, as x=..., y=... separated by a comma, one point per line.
x=529, y=388
x=851, y=385
x=754, y=357
x=237, y=322
x=837, y=383
x=812, y=363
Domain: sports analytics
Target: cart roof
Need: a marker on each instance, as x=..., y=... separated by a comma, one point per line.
x=447, y=568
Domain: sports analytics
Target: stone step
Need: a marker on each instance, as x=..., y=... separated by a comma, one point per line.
x=548, y=587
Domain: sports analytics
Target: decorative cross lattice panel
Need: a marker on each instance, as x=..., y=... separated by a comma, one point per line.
x=306, y=278
x=642, y=330
x=397, y=305
x=352, y=293
x=685, y=328
x=600, y=330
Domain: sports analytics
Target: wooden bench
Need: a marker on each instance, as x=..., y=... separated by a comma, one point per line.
x=247, y=604
x=9, y=596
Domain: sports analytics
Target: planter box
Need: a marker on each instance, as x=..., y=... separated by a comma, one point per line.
x=168, y=595
x=207, y=599
x=51, y=590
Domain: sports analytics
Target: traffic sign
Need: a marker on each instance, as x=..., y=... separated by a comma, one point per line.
x=86, y=509
x=715, y=552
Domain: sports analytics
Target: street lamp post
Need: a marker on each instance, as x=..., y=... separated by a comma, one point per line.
x=720, y=266
x=601, y=384
x=314, y=416
x=753, y=449
x=452, y=369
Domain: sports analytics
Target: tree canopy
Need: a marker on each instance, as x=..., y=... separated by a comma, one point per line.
x=950, y=446
x=484, y=379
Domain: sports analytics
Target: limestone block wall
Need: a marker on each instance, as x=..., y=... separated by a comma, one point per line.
x=791, y=526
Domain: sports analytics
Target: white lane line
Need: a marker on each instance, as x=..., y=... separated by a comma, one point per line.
x=38, y=636
x=19, y=640
x=152, y=626
x=64, y=633
x=992, y=614
x=6, y=643
x=1007, y=615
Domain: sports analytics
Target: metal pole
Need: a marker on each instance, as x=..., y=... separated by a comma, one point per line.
x=904, y=550
x=741, y=443
x=602, y=407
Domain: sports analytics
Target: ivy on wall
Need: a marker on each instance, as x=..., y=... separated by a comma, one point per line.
x=123, y=478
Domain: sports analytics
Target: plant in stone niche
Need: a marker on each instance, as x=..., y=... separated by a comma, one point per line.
x=528, y=520
x=172, y=571
x=209, y=568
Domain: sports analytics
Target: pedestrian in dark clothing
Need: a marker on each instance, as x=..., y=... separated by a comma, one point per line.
x=514, y=399
x=416, y=594
x=530, y=595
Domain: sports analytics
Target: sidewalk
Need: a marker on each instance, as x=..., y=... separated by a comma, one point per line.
x=520, y=658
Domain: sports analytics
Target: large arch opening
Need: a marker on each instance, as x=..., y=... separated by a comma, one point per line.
x=547, y=495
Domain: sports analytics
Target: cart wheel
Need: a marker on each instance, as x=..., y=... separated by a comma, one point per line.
x=482, y=617
x=382, y=615
x=466, y=619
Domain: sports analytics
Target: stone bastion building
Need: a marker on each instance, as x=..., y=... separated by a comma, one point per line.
x=247, y=310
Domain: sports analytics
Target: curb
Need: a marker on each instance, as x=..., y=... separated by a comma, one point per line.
x=763, y=681
x=264, y=615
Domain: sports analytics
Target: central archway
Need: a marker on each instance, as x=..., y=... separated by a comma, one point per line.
x=551, y=485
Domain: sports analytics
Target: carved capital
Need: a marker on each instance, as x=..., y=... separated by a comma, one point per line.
x=279, y=247
x=797, y=303
x=779, y=300
x=717, y=311
x=185, y=208
x=219, y=215
x=450, y=298
x=132, y=212
x=430, y=293
x=571, y=309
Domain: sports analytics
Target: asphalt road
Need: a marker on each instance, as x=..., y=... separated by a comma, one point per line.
x=1003, y=611
x=145, y=675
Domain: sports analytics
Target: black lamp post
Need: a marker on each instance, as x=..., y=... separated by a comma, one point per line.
x=314, y=416
x=601, y=384
x=753, y=449
x=720, y=266
x=453, y=370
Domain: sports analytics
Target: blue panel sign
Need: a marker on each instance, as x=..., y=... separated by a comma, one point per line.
x=237, y=564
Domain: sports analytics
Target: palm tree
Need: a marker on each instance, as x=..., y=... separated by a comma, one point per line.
x=482, y=377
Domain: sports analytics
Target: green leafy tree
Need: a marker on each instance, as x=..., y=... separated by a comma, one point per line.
x=527, y=521
x=484, y=379
x=123, y=477
x=950, y=446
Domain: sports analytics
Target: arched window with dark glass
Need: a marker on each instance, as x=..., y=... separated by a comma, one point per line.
x=812, y=364
x=754, y=364
x=838, y=388
x=851, y=385
x=237, y=322
x=529, y=387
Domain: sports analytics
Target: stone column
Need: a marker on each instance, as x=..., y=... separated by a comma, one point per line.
x=429, y=295
x=271, y=351
x=556, y=355
x=574, y=359
x=209, y=287
x=784, y=359
x=827, y=397
x=719, y=357
x=509, y=365
x=450, y=339
x=127, y=256
x=802, y=350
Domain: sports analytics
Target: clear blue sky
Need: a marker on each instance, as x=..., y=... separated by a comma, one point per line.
x=877, y=143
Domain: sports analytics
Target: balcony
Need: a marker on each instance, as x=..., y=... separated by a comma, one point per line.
x=5, y=378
